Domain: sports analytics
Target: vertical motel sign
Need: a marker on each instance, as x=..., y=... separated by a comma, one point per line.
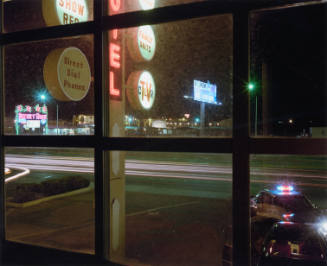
x=115, y=55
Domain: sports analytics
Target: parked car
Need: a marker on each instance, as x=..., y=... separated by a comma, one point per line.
x=289, y=243
x=282, y=203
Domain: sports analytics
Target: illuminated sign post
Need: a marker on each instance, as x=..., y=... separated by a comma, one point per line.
x=143, y=94
x=204, y=92
x=116, y=202
x=31, y=119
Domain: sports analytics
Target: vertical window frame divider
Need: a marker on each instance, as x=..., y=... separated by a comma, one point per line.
x=241, y=130
x=2, y=158
x=101, y=124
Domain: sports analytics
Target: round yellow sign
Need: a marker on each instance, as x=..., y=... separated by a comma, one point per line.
x=60, y=12
x=141, y=90
x=67, y=74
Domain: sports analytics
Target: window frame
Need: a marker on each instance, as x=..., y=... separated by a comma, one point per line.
x=241, y=145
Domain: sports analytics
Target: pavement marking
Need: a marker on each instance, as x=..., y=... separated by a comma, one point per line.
x=51, y=231
x=181, y=176
x=162, y=207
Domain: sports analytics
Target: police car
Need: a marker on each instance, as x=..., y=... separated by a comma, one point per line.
x=289, y=243
x=282, y=203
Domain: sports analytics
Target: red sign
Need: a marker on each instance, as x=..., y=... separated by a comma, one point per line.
x=115, y=59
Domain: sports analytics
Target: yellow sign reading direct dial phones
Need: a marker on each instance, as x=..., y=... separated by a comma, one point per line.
x=67, y=74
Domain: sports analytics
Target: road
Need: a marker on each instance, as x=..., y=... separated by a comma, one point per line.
x=176, y=178
x=174, y=210
x=162, y=169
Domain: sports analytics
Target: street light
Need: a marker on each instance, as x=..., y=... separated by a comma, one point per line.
x=43, y=97
x=251, y=87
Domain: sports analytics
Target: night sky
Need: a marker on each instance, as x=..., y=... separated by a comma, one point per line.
x=291, y=42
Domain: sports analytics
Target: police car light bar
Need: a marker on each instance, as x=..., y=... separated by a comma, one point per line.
x=287, y=216
x=284, y=188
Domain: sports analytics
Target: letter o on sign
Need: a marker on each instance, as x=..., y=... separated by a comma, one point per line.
x=67, y=74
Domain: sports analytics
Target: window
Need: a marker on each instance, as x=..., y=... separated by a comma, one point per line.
x=192, y=61
x=31, y=14
x=49, y=89
x=286, y=67
x=298, y=185
x=176, y=202
x=167, y=88
x=50, y=197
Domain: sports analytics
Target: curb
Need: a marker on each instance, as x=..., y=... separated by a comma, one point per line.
x=58, y=196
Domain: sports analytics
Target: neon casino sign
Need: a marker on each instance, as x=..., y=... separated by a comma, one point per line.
x=31, y=118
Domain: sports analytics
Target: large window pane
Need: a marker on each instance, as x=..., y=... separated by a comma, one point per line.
x=49, y=87
x=170, y=208
x=31, y=14
x=50, y=197
x=288, y=72
x=172, y=79
x=288, y=206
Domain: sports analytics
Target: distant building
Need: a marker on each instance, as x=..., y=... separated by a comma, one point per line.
x=318, y=132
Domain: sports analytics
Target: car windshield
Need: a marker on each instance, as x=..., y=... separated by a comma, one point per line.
x=293, y=202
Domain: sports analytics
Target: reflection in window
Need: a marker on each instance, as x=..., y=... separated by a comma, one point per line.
x=288, y=93
x=178, y=207
x=162, y=86
x=30, y=14
x=50, y=197
x=296, y=187
x=120, y=6
x=49, y=87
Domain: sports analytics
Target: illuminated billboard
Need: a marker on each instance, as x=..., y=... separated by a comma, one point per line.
x=31, y=119
x=205, y=92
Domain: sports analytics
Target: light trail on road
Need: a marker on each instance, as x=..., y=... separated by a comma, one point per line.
x=153, y=169
x=23, y=172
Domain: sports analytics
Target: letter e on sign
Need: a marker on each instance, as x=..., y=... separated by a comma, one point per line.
x=115, y=75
